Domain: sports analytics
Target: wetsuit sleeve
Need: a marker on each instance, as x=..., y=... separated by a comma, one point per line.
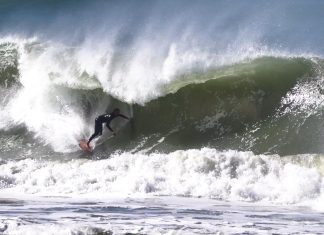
x=123, y=116
x=107, y=125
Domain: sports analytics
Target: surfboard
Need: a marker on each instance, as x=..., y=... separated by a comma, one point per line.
x=83, y=145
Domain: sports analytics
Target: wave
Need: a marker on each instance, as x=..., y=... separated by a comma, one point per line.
x=225, y=105
x=228, y=175
x=235, y=105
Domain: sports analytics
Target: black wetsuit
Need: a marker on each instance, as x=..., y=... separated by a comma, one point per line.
x=105, y=118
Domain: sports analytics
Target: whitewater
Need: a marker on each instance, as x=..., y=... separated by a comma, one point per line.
x=226, y=104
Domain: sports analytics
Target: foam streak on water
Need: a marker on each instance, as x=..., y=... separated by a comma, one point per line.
x=152, y=215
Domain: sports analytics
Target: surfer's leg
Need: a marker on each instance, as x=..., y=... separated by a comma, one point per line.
x=98, y=132
x=92, y=137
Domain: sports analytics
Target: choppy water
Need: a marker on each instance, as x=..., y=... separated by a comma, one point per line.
x=155, y=216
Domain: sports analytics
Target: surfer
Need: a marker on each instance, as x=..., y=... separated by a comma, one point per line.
x=105, y=118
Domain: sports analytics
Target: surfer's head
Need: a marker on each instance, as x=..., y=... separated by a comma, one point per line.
x=116, y=111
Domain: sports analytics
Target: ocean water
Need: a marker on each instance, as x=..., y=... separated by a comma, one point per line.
x=226, y=100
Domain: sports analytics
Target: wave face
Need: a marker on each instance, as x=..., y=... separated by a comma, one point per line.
x=199, y=78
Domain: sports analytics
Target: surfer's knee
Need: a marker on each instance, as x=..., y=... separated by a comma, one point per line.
x=96, y=133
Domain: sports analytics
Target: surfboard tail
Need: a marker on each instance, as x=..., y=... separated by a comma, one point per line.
x=83, y=144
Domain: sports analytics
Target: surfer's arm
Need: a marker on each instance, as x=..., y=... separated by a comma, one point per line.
x=123, y=116
x=107, y=125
